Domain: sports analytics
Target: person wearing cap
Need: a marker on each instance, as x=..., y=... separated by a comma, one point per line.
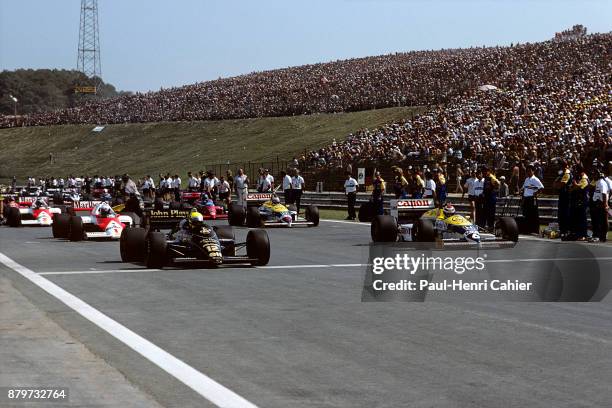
x=531, y=188
x=562, y=185
x=378, y=191
x=599, y=210
x=579, y=201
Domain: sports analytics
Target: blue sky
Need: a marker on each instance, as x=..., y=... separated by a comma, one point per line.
x=147, y=44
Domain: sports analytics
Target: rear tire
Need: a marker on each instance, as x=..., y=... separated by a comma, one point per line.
x=423, y=231
x=366, y=212
x=312, y=215
x=132, y=244
x=253, y=217
x=156, y=250
x=13, y=217
x=508, y=229
x=61, y=226
x=76, y=230
x=258, y=247
x=384, y=229
x=236, y=215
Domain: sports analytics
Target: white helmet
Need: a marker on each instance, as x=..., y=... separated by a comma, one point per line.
x=448, y=210
x=275, y=200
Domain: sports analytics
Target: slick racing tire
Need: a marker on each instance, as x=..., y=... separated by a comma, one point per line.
x=384, y=229
x=61, y=226
x=312, y=215
x=156, y=250
x=76, y=230
x=134, y=217
x=13, y=217
x=508, y=229
x=423, y=231
x=236, y=215
x=227, y=232
x=132, y=244
x=258, y=247
x=253, y=217
x=366, y=212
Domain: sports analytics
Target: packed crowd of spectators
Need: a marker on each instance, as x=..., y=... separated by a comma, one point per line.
x=413, y=78
x=553, y=102
x=573, y=33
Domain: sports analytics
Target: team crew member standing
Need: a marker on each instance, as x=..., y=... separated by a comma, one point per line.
x=193, y=184
x=297, y=186
x=378, y=192
x=489, y=192
x=241, y=187
x=531, y=187
x=430, y=187
x=287, y=190
x=350, y=188
x=479, y=199
x=578, y=204
x=469, y=188
x=223, y=188
x=599, y=215
x=562, y=184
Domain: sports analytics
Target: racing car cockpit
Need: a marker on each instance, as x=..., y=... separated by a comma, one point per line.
x=103, y=210
x=40, y=203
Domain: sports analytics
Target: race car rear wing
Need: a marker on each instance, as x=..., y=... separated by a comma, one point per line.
x=163, y=219
x=410, y=209
x=256, y=199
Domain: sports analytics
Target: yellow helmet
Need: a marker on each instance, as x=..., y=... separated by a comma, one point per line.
x=195, y=218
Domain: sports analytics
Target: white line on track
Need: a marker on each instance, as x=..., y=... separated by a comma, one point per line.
x=200, y=383
x=367, y=224
x=103, y=271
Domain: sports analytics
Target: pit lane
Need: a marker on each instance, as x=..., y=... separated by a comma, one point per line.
x=295, y=333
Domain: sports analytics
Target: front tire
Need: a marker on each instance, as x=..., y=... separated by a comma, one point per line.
x=258, y=247
x=13, y=217
x=132, y=244
x=61, y=226
x=253, y=217
x=312, y=215
x=76, y=231
x=508, y=229
x=423, y=231
x=157, y=251
x=384, y=229
x=236, y=215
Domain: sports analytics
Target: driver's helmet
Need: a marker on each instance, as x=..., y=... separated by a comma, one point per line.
x=105, y=210
x=448, y=210
x=106, y=197
x=196, y=220
x=40, y=203
x=275, y=200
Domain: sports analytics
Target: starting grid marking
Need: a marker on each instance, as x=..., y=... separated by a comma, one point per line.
x=315, y=266
x=197, y=381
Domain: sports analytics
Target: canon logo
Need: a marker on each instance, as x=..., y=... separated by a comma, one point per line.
x=414, y=203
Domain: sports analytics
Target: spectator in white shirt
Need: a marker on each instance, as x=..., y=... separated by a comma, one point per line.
x=287, y=190
x=531, y=187
x=297, y=186
x=599, y=215
x=350, y=188
x=241, y=187
x=223, y=188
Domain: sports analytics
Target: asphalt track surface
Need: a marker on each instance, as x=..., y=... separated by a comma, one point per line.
x=296, y=333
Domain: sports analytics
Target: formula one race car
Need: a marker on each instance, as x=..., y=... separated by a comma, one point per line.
x=30, y=211
x=205, y=205
x=190, y=240
x=266, y=210
x=418, y=220
x=97, y=222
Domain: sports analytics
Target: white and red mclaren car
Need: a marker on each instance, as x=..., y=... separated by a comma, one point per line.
x=99, y=222
x=30, y=211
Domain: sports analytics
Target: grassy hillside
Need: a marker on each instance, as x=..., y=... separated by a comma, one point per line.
x=174, y=146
